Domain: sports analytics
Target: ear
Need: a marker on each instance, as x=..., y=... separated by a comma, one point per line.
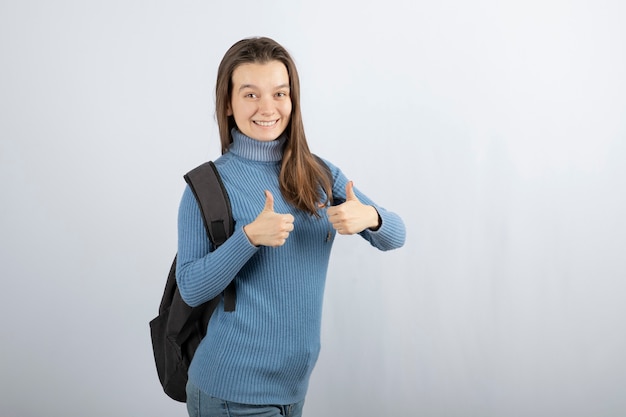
x=229, y=110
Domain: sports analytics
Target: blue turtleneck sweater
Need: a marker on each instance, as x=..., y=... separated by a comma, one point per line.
x=264, y=351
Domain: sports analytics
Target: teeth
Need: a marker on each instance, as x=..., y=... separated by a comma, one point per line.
x=266, y=124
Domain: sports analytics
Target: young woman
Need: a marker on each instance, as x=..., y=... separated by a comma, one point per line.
x=257, y=360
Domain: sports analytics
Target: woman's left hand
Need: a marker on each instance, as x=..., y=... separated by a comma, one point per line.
x=352, y=216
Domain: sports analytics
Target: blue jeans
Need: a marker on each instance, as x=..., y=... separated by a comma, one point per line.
x=200, y=404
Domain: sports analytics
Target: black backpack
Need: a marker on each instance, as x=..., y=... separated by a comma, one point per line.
x=178, y=329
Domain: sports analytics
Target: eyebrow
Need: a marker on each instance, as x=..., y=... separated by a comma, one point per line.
x=278, y=87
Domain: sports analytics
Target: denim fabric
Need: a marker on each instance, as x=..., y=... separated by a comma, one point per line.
x=200, y=404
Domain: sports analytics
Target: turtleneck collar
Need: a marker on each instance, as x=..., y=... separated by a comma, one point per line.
x=257, y=150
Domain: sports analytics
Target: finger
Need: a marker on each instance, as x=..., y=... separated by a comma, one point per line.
x=350, y=191
x=269, y=202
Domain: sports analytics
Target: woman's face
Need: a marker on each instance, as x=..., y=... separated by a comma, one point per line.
x=260, y=100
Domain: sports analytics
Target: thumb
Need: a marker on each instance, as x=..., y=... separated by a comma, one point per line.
x=350, y=191
x=269, y=202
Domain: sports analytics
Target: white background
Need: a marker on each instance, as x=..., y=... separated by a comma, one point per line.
x=496, y=129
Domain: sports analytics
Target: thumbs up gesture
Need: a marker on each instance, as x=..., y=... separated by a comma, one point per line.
x=269, y=228
x=352, y=216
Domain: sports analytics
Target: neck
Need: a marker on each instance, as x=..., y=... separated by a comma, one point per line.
x=256, y=150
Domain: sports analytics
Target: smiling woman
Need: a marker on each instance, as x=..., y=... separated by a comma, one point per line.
x=257, y=359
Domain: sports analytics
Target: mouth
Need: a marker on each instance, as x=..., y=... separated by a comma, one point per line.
x=265, y=124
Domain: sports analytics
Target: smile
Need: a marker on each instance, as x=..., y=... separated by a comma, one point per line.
x=265, y=124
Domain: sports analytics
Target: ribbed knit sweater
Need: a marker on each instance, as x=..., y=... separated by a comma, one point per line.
x=264, y=351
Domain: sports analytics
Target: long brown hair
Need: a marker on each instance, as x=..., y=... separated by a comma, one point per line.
x=303, y=181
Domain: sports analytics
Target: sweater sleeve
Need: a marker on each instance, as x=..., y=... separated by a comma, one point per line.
x=392, y=232
x=201, y=272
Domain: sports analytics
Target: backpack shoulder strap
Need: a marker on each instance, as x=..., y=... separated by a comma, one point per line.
x=207, y=187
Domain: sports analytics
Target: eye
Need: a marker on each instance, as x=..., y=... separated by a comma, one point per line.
x=281, y=94
x=250, y=95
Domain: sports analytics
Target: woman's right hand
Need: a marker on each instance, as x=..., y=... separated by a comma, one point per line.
x=269, y=228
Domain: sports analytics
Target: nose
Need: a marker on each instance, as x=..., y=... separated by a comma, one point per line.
x=266, y=106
